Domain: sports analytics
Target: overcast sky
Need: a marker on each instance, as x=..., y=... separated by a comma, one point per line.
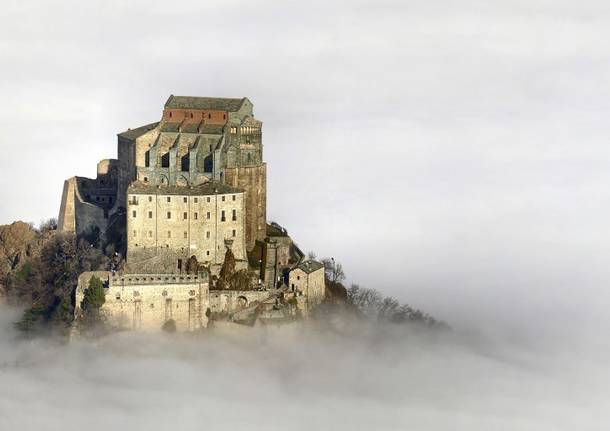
x=451, y=153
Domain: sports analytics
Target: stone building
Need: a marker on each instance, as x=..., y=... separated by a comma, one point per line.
x=182, y=191
x=198, y=139
x=200, y=221
x=308, y=278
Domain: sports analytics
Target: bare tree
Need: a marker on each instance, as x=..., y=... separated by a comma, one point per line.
x=333, y=270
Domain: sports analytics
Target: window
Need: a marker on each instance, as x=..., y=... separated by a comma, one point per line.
x=169, y=233
x=186, y=235
x=207, y=253
x=209, y=115
x=149, y=214
x=234, y=218
x=191, y=115
x=298, y=277
x=150, y=233
x=170, y=114
x=133, y=214
x=145, y=179
x=196, y=200
x=233, y=232
x=207, y=234
x=233, y=197
x=184, y=199
x=224, y=116
x=185, y=216
x=169, y=214
x=208, y=215
x=208, y=199
x=223, y=198
x=222, y=216
x=169, y=199
x=195, y=216
x=150, y=199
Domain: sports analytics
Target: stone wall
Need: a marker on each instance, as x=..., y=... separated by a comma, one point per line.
x=146, y=301
x=252, y=179
x=312, y=285
x=194, y=225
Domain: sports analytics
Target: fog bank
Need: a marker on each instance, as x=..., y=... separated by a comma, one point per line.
x=383, y=379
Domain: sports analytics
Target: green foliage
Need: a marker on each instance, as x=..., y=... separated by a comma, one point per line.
x=169, y=326
x=49, y=276
x=94, y=296
x=31, y=318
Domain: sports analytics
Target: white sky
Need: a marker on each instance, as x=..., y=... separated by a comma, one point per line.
x=451, y=153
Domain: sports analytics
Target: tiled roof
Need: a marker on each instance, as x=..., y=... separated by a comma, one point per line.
x=208, y=188
x=216, y=103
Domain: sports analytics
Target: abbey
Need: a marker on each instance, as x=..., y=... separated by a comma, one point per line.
x=185, y=194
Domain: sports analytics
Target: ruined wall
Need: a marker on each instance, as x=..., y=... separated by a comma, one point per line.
x=66, y=222
x=253, y=179
x=229, y=301
x=146, y=301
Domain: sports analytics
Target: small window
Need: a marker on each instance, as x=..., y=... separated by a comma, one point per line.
x=223, y=198
x=207, y=234
x=169, y=214
x=186, y=235
x=169, y=233
x=209, y=115
x=150, y=233
x=224, y=116
x=149, y=214
x=170, y=114
x=208, y=199
x=207, y=253
x=133, y=214
x=185, y=216
x=145, y=179
x=169, y=199
x=222, y=216
x=150, y=199
x=195, y=215
x=184, y=199
x=234, y=218
x=233, y=197
x=196, y=200
x=191, y=115
x=298, y=277
x=233, y=232
x=208, y=215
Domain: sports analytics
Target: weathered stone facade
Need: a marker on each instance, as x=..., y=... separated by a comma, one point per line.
x=308, y=279
x=147, y=301
x=198, y=221
x=197, y=140
x=182, y=191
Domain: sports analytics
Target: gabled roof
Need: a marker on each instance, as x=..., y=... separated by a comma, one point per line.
x=136, y=133
x=216, y=103
x=310, y=266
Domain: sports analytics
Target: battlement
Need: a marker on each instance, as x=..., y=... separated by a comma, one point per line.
x=155, y=279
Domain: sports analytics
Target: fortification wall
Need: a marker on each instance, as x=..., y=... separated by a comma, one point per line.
x=146, y=301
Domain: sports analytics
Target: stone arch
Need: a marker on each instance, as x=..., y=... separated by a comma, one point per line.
x=242, y=302
x=163, y=180
x=182, y=181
